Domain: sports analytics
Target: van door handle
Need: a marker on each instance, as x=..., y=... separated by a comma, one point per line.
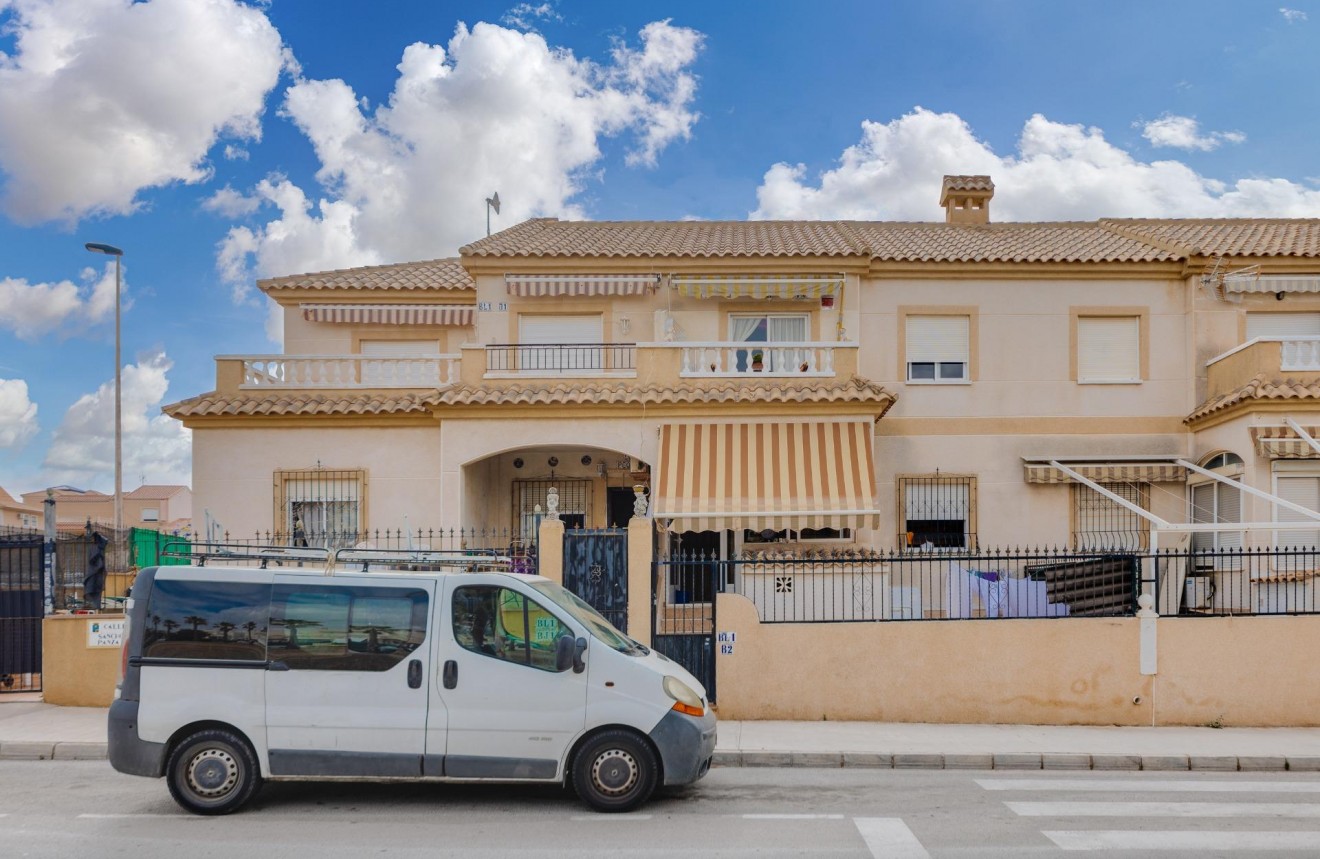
x=415, y=674
x=451, y=674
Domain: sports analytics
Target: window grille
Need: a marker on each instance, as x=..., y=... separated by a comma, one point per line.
x=320, y=508
x=937, y=512
x=575, y=498
x=1105, y=525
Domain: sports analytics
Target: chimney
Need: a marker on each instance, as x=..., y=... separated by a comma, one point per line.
x=966, y=199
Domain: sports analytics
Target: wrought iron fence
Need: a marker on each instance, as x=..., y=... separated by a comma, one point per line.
x=545, y=357
x=834, y=585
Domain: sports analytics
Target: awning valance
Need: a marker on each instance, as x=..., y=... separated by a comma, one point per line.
x=712, y=476
x=1272, y=283
x=390, y=314
x=757, y=285
x=579, y=285
x=1109, y=472
x=1283, y=443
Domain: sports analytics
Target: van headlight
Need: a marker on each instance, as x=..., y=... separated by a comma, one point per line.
x=685, y=699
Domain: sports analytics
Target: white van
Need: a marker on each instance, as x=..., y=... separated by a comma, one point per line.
x=235, y=675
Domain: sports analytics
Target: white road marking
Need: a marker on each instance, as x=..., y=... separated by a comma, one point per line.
x=609, y=818
x=791, y=816
x=1219, y=842
x=889, y=838
x=1164, y=809
x=130, y=816
x=1136, y=785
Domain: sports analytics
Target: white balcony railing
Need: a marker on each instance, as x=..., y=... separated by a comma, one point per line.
x=349, y=371
x=1301, y=355
x=776, y=359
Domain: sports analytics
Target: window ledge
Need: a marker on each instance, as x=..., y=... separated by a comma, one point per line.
x=1110, y=381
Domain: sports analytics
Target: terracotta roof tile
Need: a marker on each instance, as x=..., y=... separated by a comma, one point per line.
x=1259, y=388
x=968, y=183
x=550, y=237
x=1229, y=237
x=1065, y=242
x=155, y=492
x=299, y=403
x=446, y=274
x=854, y=390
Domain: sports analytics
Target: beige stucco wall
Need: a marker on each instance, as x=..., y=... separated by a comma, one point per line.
x=73, y=674
x=1065, y=671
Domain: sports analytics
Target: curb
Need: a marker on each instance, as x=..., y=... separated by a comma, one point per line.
x=1019, y=762
x=47, y=751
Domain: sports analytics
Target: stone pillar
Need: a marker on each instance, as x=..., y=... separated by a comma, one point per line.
x=641, y=550
x=551, y=550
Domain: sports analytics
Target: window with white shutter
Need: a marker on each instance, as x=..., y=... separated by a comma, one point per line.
x=1216, y=503
x=1283, y=325
x=1108, y=349
x=559, y=336
x=1304, y=490
x=938, y=348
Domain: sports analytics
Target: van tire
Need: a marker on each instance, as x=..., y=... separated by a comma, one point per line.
x=212, y=772
x=615, y=771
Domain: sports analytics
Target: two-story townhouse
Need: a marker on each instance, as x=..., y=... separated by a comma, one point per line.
x=895, y=385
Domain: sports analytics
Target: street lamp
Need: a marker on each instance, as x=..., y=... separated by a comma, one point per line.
x=111, y=250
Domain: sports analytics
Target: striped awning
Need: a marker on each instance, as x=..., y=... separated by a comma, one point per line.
x=712, y=476
x=757, y=285
x=1109, y=472
x=1271, y=283
x=579, y=285
x=1283, y=443
x=390, y=314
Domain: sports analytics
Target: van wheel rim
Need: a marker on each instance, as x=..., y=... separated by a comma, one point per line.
x=212, y=773
x=614, y=772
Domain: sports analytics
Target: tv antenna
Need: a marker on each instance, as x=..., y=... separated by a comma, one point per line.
x=1217, y=279
x=492, y=202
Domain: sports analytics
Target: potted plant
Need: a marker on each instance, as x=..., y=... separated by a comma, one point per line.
x=757, y=358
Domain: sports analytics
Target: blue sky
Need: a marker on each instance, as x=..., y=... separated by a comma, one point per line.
x=217, y=142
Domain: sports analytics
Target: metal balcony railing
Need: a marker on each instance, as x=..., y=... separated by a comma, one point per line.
x=556, y=359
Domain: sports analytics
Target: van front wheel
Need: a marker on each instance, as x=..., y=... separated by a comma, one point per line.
x=212, y=772
x=615, y=771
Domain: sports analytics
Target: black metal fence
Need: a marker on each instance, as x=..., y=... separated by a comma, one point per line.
x=504, y=541
x=598, y=357
x=836, y=585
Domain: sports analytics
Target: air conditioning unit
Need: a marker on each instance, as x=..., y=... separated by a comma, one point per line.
x=1198, y=592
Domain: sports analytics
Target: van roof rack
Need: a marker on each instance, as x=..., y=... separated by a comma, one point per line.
x=420, y=560
x=200, y=553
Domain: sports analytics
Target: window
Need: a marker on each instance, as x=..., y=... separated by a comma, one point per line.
x=330, y=628
x=1283, y=325
x=938, y=348
x=1108, y=349
x=937, y=512
x=574, y=503
x=558, y=334
x=1218, y=503
x=207, y=620
x=150, y=514
x=320, y=508
x=506, y=625
x=1299, y=483
x=1102, y=524
x=767, y=328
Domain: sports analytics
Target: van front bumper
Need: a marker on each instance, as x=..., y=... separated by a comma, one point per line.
x=686, y=744
x=128, y=753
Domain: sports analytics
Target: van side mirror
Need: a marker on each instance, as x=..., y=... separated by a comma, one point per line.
x=565, y=653
x=579, y=648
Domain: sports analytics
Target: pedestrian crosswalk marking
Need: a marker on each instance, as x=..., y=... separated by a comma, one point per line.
x=792, y=817
x=1164, y=809
x=889, y=838
x=1100, y=785
x=1219, y=842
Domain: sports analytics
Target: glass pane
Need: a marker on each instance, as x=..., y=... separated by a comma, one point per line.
x=952, y=370
x=921, y=370
x=311, y=627
x=207, y=620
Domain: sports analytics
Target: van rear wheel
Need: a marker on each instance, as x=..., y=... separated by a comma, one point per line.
x=615, y=771
x=212, y=772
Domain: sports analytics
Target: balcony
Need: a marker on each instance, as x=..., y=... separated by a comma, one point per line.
x=577, y=360
x=1296, y=357
x=759, y=360
x=263, y=372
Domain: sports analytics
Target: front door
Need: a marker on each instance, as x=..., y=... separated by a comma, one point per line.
x=346, y=692
x=596, y=569
x=510, y=713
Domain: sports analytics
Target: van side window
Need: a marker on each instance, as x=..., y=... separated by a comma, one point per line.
x=328, y=628
x=505, y=624
x=206, y=620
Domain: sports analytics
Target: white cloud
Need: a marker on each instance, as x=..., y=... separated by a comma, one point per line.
x=231, y=203
x=32, y=310
x=1060, y=172
x=1292, y=16
x=1183, y=132
x=104, y=98
x=18, y=414
x=495, y=110
x=82, y=449
x=235, y=153
x=524, y=15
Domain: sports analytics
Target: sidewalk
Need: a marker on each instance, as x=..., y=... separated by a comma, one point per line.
x=30, y=730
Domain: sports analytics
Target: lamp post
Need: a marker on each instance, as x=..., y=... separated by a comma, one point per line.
x=111, y=250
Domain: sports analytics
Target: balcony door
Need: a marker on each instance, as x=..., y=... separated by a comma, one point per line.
x=550, y=343
x=380, y=367
x=767, y=328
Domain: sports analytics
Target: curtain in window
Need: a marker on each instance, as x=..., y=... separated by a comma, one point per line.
x=744, y=328
x=788, y=329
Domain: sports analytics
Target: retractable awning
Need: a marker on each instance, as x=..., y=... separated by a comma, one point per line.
x=1114, y=471
x=390, y=314
x=1272, y=283
x=579, y=285
x=712, y=476
x=757, y=285
x=1281, y=442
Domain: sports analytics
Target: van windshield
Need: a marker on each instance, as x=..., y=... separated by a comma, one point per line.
x=590, y=618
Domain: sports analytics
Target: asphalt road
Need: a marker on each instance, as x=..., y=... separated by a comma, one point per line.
x=83, y=808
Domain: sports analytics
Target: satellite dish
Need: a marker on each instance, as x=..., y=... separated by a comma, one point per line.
x=494, y=202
